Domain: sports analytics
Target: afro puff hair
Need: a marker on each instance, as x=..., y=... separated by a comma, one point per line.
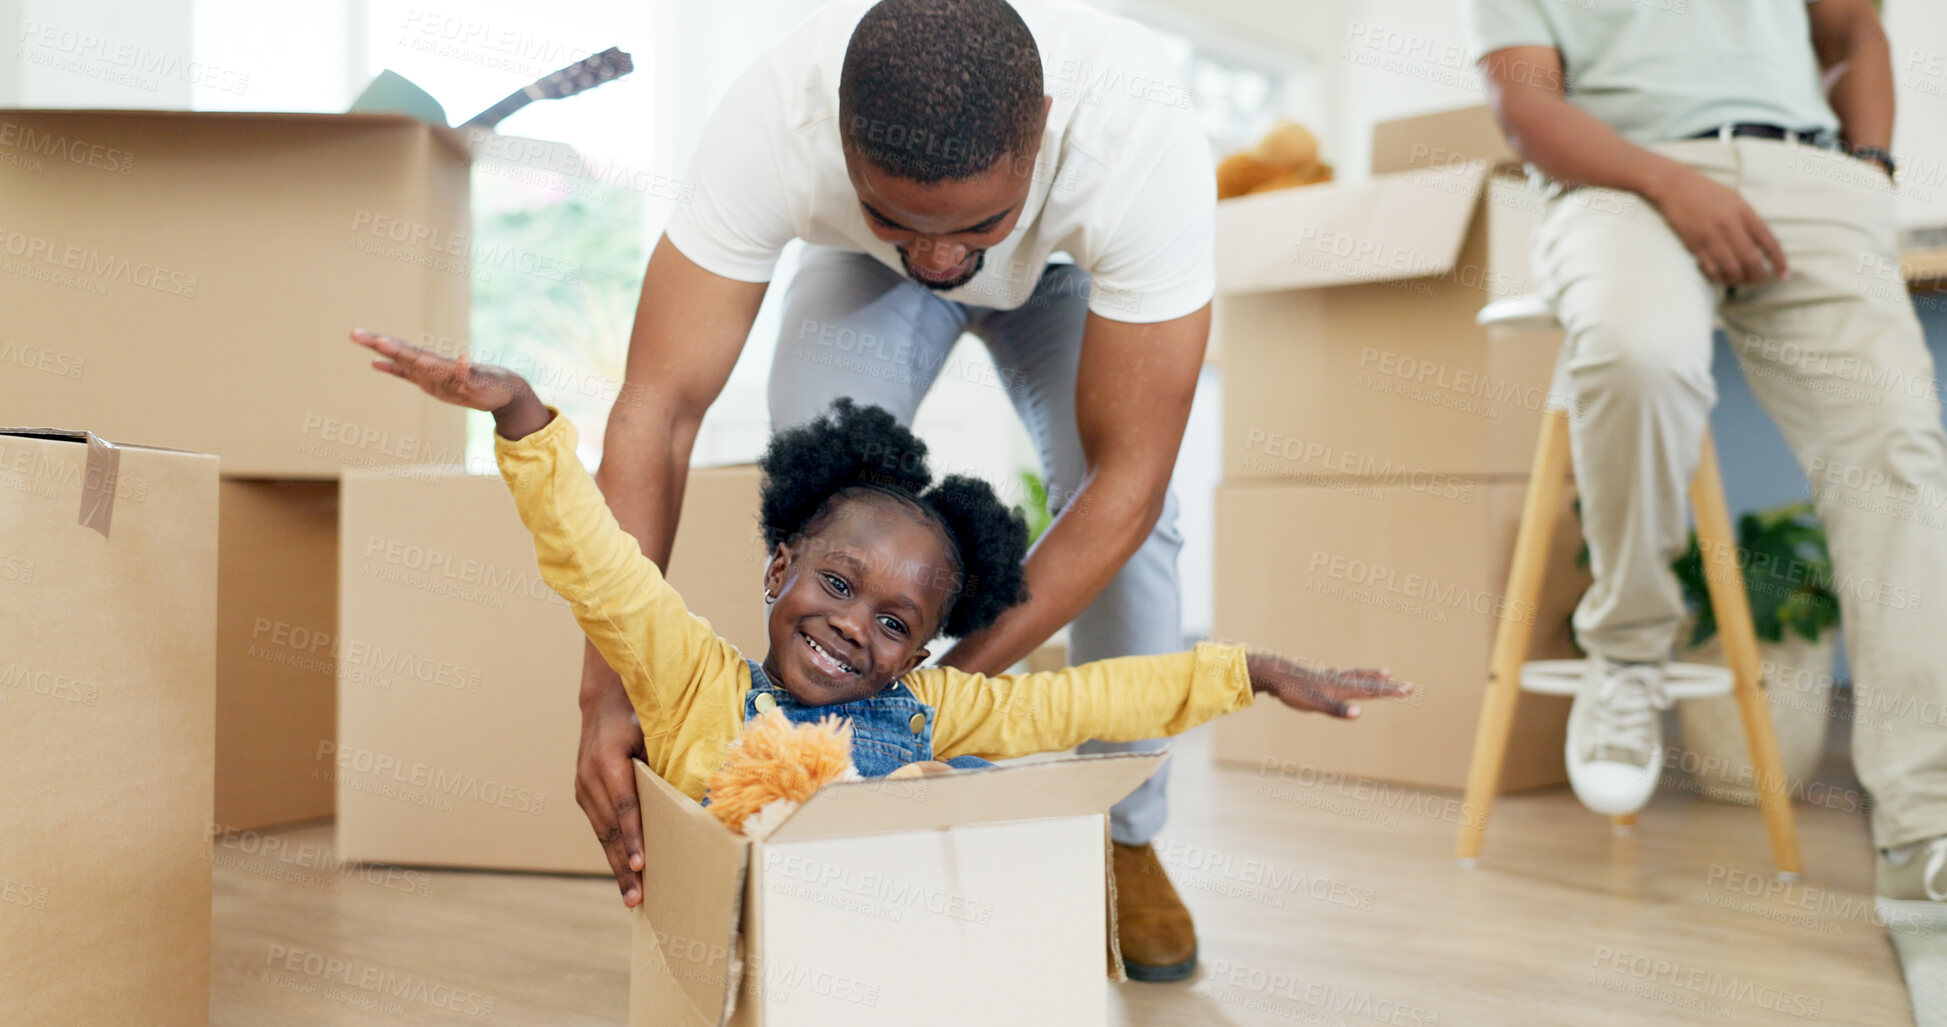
x=854, y=447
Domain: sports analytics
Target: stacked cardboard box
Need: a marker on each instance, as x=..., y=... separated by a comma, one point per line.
x=277, y=610
x=1376, y=444
x=107, y=692
x=187, y=279
x=458, y=667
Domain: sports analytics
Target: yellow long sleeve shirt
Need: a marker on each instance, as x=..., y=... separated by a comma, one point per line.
x=688, y=685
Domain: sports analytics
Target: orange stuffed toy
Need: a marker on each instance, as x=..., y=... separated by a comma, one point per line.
x=776, y=765
x=1287, y=156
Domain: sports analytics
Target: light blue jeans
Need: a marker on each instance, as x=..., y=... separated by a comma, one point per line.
x=855, y=327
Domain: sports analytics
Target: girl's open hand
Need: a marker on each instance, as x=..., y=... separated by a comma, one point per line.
x=1321, y=689
x=460, y=382
x=517, y=412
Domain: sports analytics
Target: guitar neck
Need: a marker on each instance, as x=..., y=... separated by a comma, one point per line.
x=501, y=111
x=608, y=65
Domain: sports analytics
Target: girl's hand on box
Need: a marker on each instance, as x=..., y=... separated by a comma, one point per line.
x=1321, y=689
x=517, y=411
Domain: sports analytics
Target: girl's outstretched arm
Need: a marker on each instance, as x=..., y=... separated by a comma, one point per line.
x=1127, y=698
x=665, y=654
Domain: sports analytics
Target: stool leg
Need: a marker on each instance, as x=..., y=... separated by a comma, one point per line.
x=1531, y=543
x=1718, y=545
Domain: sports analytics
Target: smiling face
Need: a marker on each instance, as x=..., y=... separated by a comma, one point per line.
x=942, y=229
x=857, y=599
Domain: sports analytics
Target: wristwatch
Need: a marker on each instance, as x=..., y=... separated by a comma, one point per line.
x=1877, y=156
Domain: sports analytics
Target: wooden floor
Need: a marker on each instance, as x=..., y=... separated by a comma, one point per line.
x=1333, y=905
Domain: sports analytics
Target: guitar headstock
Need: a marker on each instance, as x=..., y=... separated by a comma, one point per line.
x=611, y=63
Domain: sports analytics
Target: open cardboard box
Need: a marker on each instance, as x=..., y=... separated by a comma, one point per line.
x=977, y=897
x=1347, y=318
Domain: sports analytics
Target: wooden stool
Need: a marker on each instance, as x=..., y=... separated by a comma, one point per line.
x=1508, y=674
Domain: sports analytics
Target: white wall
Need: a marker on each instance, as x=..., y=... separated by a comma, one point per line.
x=10, y=16
x=99, y=53
x=1918, y=31
x=1397, y=58
x=1374, y=60
x=278, y=57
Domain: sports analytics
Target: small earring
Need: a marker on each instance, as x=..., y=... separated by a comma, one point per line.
x=768, y=597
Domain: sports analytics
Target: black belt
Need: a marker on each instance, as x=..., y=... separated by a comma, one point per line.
x=1820, y=137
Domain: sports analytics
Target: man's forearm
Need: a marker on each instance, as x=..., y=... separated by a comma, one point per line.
x=645, y=464
x=1101, y=527
x=690, y=325
x=1575, y=147
x=644, y=467
x=1862, y=95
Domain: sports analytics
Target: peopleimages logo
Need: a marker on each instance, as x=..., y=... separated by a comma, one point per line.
x=376, y=980
x=438, y=567
x=34, y=462
x=1439, y=375
x=425, y=245
x=1707, y=984
x=85, y=53
x=352, y=654
x=371, y=764
x=57, y=147
x=1274, y=453
x=1416, y=586
x=94, y=264
x=42, y=359
x=1088, y=82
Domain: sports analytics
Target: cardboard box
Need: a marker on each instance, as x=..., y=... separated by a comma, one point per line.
x=276, y=623
x=189, y=279
x=1350, y=346
x=107, y=696
x=976, y=898
x=458, y=667
x=1412, y=579
x=1464, y=134
x=1051, y=655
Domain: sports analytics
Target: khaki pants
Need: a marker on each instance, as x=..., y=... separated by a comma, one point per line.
x=1835, y=355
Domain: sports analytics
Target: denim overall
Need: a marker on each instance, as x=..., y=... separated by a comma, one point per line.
x=889, y=730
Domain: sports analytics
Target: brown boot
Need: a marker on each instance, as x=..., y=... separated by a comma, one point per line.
x=1159, y=943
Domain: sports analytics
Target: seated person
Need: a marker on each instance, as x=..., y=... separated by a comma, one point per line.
x=1733, y=162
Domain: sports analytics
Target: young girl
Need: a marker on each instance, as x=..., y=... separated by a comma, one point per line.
x=870, y=560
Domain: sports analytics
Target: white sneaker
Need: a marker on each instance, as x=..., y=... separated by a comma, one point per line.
x=1913, y=890
x=1615, y=739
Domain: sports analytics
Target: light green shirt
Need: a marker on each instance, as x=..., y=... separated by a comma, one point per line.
x=1658, y=70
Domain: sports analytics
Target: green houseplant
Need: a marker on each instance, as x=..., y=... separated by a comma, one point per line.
x=1035, y=508
x=1788, y=578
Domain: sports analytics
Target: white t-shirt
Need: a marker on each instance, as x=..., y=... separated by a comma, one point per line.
x=1124, y=184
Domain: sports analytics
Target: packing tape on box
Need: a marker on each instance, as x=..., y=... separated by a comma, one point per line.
x=98, y=484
